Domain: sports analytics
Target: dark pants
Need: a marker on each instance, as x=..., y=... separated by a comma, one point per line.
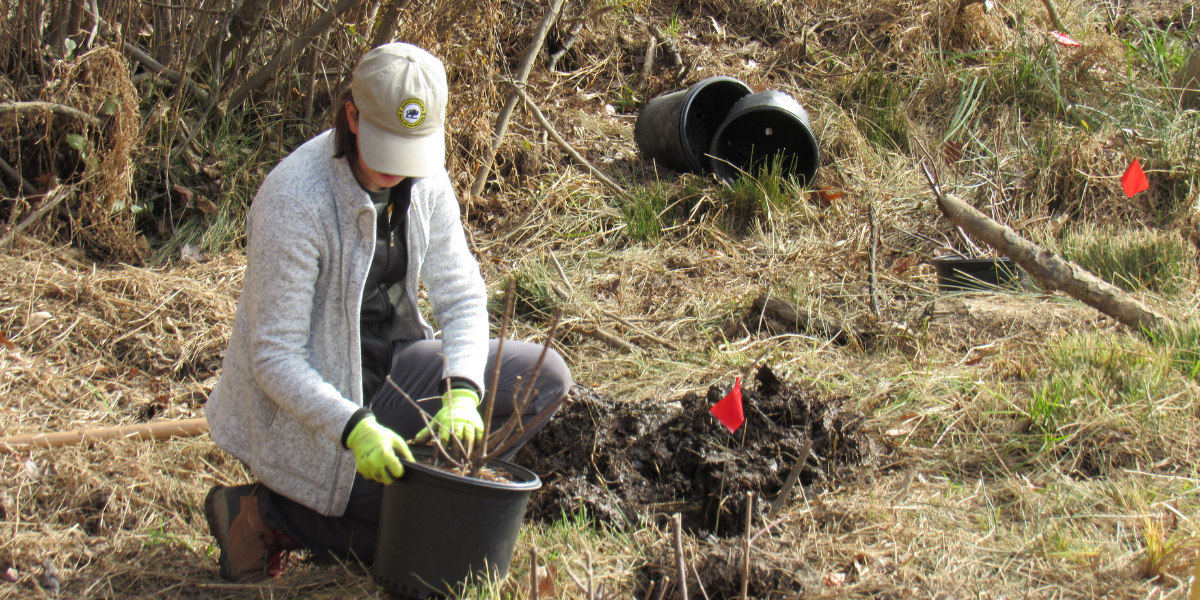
x=417, y=369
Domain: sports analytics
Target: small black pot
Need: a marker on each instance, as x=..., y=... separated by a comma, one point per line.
x=676, y=129
x=438, y=529
x=956, y=274
x=760, y=128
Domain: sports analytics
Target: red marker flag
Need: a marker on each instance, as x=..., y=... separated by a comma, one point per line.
x=729, y=410
x=1134, y=180
x=1064, y=39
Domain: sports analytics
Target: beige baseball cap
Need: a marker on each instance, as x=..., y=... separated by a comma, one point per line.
x=400, y=91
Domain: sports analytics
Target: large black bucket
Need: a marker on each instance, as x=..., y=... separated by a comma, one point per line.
x=763, y=127
x=676, y=129
x=437, y=529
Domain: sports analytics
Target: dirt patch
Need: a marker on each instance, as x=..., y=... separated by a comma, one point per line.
x=962, y=321
x=626, y=461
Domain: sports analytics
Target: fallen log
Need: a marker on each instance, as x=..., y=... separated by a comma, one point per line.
x=145, y=431
x=1052, y=272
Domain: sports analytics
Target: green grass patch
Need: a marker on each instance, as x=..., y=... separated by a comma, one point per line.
x=1138, y=259
x=877, y=103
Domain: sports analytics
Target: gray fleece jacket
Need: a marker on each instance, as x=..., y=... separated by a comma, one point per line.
x=292, y=374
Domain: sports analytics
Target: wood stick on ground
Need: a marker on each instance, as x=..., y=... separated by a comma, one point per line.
x=602, y=336
x=58, y=109
x=558, y=139
x=26, y=188
x=746, y=546
x=650, y=589
x=1053, y=272
x=648, y=63
x=56, y=197
x=160, y=430
x=874, y=281
x=285, y=55
x=790, y=482
x=533, y=577
x=535, y=47
x=662, y=591
x=680, y=570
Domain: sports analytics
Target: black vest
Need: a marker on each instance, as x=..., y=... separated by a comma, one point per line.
x=388, y=267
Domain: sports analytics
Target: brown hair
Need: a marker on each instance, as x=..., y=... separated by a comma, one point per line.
x=345, y=143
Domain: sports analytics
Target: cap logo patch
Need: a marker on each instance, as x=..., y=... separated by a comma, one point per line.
x=411, y=113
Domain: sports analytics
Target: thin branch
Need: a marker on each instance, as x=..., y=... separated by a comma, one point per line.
x=424, y=418
x=27, y=188
x=56, y=197
x=145, y=59
x=505, y=442
x=680, y=570
x=385, y=32
x=767, y=529
x=746, y=546
x=565, y=146
x=793, y=476
x=533, y=577
x=58, y=109
x=603, y=336
x=648, y=63
x=874, y=281
x=535, y=47
x=1053, y=10
x=285, y=56
x=490, y=402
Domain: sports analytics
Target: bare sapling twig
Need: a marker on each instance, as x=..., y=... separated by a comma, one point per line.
x=699, y=581
x=489, y=405
x=790, y=482
x=558, y=139
x=874, y=281
x=767, y=529
x=535, y=47
x=56, y=197
x=746, y=546
x=507, y=439
x=662, y=591
x=425, y=419
x=680, y=569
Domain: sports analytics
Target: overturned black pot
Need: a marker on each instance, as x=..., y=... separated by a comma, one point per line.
x=438, y=530
x=956, y=274
x=676, y=129
x=762, y=128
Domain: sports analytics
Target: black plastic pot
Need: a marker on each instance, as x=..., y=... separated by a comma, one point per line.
x=676, y=129
x=763, y=127
x=956, y=274
x=437, y=529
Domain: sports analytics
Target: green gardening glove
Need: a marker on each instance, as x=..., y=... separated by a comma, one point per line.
x=459, y=416
x=375, y=448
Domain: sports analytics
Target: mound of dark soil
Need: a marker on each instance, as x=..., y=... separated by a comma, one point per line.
x=626, y=461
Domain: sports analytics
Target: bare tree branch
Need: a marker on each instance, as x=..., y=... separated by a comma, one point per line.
x=539, y=37
x=58, y=109
x=285, y=56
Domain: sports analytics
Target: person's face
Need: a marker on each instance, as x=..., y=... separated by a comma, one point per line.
x=369, y=178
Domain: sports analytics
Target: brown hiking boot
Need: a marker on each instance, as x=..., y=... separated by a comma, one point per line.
x=250, y=550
